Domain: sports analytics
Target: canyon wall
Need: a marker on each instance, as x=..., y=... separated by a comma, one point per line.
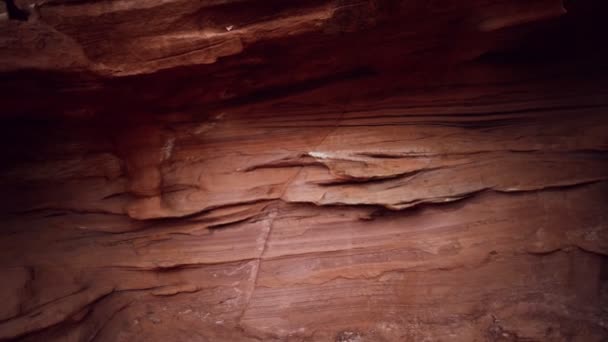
x=304, y=171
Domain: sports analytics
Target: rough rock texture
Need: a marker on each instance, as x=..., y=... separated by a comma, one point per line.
x=304, y=171
x=143, y=36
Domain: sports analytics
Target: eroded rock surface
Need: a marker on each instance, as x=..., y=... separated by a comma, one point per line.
x=380, y=179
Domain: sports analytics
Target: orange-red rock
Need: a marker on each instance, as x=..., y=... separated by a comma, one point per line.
x=304, y=171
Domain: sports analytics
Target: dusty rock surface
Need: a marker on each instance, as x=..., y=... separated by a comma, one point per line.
x=304, y=171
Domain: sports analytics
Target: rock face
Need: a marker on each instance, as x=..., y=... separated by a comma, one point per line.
x=178, y=170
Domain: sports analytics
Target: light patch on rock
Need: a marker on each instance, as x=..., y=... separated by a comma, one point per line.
x=349, y=336
x=167, y=148
x=319, y=155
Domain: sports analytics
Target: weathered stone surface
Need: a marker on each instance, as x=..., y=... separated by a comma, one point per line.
x=177, y=32
x=304, y=171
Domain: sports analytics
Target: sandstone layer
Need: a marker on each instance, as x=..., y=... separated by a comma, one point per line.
x=304, y=171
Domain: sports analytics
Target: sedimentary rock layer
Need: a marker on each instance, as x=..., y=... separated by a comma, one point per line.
x=394, y=219
x=304, y=171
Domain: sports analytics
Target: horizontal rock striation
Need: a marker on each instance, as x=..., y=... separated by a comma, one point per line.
x=384, y=178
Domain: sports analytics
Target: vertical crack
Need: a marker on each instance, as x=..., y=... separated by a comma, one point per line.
x=271, y=218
